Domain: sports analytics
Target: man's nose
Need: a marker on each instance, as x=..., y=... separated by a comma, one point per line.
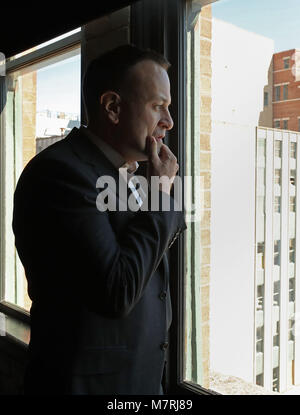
x=167, y=122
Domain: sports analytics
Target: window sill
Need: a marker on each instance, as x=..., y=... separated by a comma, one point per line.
x=14, y=327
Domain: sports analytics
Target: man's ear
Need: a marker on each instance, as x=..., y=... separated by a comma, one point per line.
x=111, y=104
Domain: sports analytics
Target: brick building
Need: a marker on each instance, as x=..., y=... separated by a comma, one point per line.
x=286, y=90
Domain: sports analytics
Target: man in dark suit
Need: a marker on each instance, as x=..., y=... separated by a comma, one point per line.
x=99, y=280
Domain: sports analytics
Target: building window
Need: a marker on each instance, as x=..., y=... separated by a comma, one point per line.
x=286, y=63
x=277, y=176
x=293, y=150
x=277, y=124
x=277, y=93
x=213, y=347
x=42, y=106
x=285, y=91
x=278, y=147
x=293, y=177
x=277, y=204
x=298, y=124
x=292, y=204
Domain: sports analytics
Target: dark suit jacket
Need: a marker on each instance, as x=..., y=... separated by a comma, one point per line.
x=98, y=280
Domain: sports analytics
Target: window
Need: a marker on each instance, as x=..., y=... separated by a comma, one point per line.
x=293, y=150
x=266, y=99
x=278, y=148
x=277, y=204
x=43, y=105
x=285, y=91
x=298, y=124
x=237, y=328
x=286, y=63
x=277, y=124
x=293, y=177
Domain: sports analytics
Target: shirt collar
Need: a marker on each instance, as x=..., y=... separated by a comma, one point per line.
x=113, y=156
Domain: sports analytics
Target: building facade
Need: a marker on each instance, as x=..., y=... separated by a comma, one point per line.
x=255, y=293
x=286, y=90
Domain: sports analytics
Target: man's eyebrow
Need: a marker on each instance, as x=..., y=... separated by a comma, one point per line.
x=162, y=98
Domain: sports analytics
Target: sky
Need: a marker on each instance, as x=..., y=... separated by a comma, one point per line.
x=276, y=19
x=58, y=86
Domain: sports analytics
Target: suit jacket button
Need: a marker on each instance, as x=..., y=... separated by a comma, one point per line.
x=164, y=346
x=162, y=295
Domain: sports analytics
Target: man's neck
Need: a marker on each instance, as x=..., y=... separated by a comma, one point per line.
x=112, y=153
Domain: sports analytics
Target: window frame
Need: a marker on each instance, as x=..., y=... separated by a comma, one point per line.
x=286, y=65
x=56, y=48
x=162, y=26
x=176, y=51
x=266, y=98
x=277, y=95
x=275, y=125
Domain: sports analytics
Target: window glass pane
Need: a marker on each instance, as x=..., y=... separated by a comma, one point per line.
x=266, y=98
x=43, y=105
x=293, y=150
x=286, y=63
x=241, y=256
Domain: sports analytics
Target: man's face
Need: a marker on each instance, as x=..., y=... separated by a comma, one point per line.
x=144, y=109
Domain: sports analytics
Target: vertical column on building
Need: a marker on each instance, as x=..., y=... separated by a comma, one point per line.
x=203, y=30
x=284, y=282
x=268, y=294
x=296, y=328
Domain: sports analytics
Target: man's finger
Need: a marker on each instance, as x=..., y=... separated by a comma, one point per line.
x=166, y=153
x=152, y=148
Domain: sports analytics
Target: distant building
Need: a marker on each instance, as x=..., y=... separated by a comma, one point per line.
x=286, y=90
x=254, y=269
x=241, y=73
x=53, y=123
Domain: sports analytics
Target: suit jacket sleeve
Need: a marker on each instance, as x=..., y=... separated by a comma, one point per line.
x=59, y=204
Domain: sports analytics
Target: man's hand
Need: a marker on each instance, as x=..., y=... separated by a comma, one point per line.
x=161, y=165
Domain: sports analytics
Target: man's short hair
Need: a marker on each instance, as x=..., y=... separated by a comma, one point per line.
x=108, y=71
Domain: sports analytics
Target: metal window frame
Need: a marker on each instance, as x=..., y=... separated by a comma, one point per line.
x=55, y=48
x=161, y=25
